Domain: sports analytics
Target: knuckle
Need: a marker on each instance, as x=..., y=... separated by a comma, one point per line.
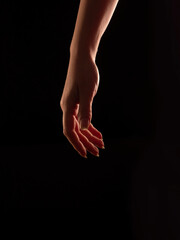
x=62, y=104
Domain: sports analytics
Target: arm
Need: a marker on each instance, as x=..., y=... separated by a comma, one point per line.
x=82, y=78
x=92, y=21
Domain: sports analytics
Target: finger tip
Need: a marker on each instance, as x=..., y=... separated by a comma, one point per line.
x=83, y=155
x=84, y=123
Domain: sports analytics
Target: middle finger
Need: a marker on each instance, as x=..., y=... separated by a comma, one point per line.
x=96, y=141
x=88, y=145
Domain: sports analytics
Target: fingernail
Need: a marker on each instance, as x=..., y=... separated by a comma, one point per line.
x=102, y=146
x=84, y=156
x=97, y=155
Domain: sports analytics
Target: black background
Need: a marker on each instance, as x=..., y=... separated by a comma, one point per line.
x=39, y=168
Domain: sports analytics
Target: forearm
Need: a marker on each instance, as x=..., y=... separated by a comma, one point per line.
x=92, y=20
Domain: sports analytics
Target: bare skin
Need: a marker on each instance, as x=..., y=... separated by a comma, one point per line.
x=82, y=80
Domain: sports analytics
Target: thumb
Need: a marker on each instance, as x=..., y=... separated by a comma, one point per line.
x=85, y=114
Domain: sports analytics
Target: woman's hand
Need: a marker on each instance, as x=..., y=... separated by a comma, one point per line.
x=81, y=86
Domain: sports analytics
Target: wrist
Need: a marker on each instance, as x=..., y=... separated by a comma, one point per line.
x=82, y=51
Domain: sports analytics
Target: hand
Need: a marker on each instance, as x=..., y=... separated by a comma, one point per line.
x=81, y=86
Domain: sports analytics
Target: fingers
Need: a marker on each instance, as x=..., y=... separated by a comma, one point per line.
x=95, y=140
x=89, y=146
x=81, y=140
x=69, y=124
x=86, y=141
x=76, y=143
x=95, y=132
